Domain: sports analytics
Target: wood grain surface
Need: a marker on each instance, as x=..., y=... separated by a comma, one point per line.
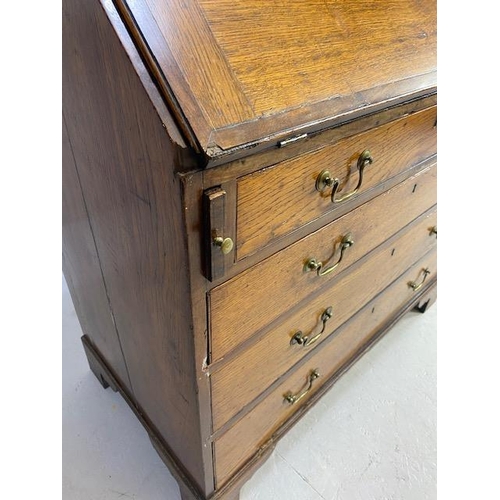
x=231, y=452
x=82, y=268
x=210, y=78
x=153, y=92
x=126, y=166
x=247, y=375
x=280, y=199
x=289, y=53
x=236, y=167
x=266, y=290
x=252, y=71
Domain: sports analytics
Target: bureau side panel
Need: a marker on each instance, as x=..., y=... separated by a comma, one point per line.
x=82, y=268
x=126, y=163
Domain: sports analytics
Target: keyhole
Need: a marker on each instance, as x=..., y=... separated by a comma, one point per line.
x=393, y=250
x=414, y=188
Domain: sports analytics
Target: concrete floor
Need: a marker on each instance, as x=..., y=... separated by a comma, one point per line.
x=372, y=437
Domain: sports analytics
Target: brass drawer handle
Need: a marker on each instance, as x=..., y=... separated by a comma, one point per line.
x=416, y=286
x=295, y=398
x=315, y=265
x=306, y=340
x=325, y=179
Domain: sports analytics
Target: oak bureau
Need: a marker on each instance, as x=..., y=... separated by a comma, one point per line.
x=249, y=203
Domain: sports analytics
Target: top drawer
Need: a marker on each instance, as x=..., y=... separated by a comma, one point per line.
x=276, y=201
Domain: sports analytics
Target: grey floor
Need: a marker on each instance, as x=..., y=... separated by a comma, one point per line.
x=372, y=437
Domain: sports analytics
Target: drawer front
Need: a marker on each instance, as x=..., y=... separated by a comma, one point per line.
x=245, y=376
x=244, y=439
x=268, y=289
x=278, y=200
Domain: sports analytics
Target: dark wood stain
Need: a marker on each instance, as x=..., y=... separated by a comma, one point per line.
x=82, y=268
x=126, y=166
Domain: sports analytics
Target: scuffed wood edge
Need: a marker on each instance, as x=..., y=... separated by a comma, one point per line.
x=124, y=30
